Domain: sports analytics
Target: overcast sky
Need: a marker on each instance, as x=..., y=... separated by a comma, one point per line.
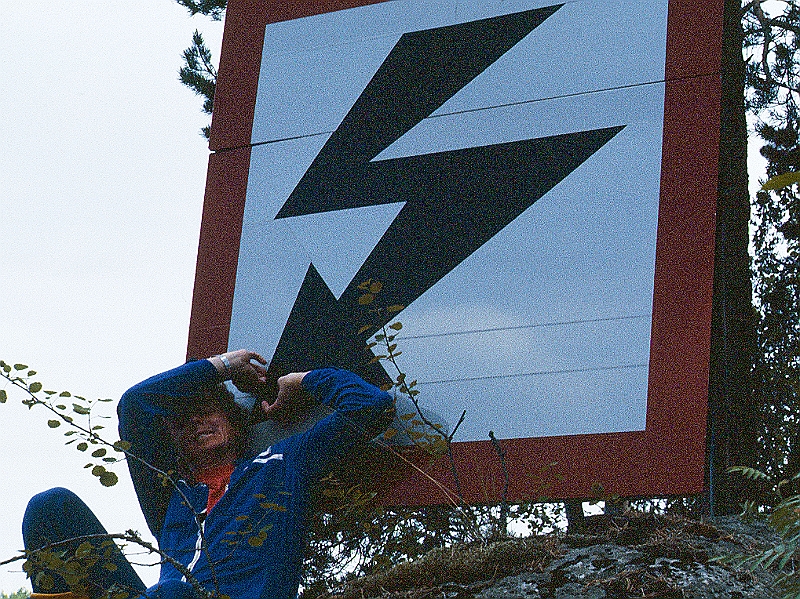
x=102, y=174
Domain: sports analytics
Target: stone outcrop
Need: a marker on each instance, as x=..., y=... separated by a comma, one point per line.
x=619, y=558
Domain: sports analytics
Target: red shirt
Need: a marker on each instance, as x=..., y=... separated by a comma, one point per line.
x=217, y=480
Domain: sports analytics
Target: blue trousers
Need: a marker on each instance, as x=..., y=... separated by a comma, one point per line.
x=59, y=515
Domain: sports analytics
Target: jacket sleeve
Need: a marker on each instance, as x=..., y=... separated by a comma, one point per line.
x=139, y=409
x=361, y=411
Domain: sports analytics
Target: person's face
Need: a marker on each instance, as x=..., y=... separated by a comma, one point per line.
x=203, y=435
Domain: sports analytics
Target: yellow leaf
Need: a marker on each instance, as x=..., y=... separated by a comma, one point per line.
x=781, y=181
x=365, y=299
x=375, y=287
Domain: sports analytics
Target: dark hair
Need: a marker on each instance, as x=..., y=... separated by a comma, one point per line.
x=219, y=396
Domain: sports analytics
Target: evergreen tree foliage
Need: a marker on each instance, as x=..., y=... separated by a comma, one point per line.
x=773, y=91
x=776, y=265
x=210, y=8
x=198, y=72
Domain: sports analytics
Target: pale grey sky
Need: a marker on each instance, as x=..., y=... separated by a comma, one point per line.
x=102, y=175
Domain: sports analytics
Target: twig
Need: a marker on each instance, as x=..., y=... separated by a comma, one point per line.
x=129, y=536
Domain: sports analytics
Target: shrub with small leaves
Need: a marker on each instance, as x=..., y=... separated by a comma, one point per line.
x=75, y=413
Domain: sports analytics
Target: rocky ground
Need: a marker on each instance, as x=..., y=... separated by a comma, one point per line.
x=621, y=558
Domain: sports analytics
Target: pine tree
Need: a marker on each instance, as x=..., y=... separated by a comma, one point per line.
x=198, y=72
x=773, y=91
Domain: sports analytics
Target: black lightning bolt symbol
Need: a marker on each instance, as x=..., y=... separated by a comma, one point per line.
x=455, y=201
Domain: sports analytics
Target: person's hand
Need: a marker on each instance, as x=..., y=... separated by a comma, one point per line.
x=243, y=367
x=291, y=402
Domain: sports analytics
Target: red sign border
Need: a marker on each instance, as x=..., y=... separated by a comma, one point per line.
x=668, y=457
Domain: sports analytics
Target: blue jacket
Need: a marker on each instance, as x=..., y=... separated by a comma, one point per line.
x=255, y=535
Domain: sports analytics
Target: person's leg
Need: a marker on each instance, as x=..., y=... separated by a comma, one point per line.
x=59, y=515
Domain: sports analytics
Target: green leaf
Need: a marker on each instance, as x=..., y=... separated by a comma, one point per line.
x=78, y=409
x=375, y=287
x=65, y=394
x=61, y=407
x=83, y=446
x=53, y=423
x=110, y=460
x=35, y=387
x=84, y=549
x=395, y=308
x=365, y=299
x=110, y=566
x=99, y=470
x=255, y=541
x=99, y=453
x=122, y=445
x=781, y=181
x=364, y=329
x=108, y=479
x=31, y=372
x=70, y=433
x=3, y=396
x=20, y=367
x=45, y=581
x=396, y=326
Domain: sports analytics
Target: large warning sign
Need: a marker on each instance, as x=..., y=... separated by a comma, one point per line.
x=532, y=183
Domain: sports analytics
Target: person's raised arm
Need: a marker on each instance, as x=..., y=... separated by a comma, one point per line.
x=360, y=411
x=144, y=404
